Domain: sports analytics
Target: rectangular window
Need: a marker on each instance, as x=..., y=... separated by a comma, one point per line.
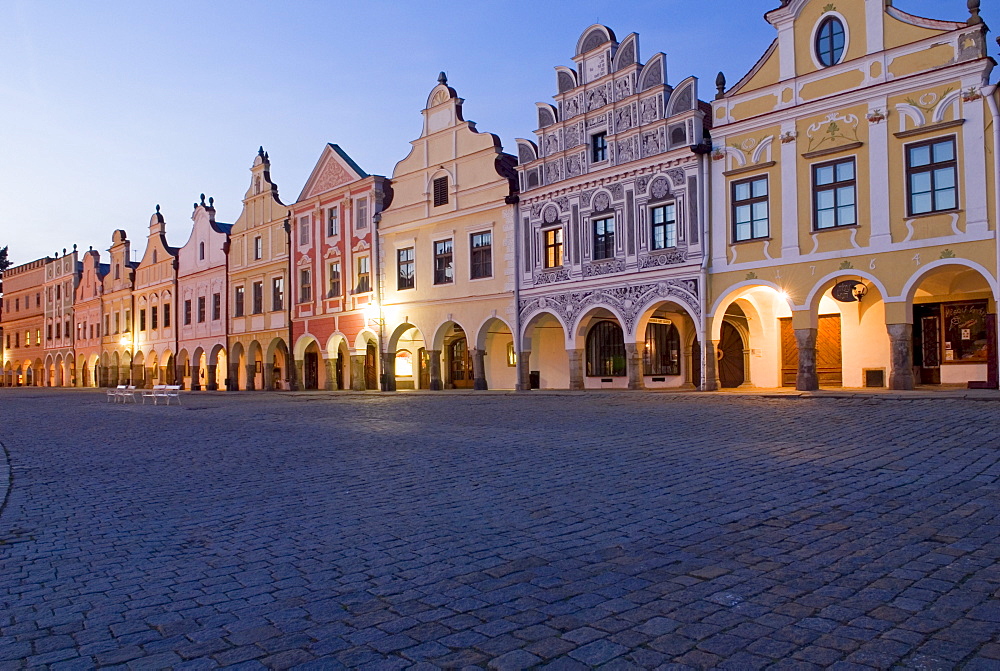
x=361, y=211
x=553, y=247
x=750, y=209
x=481, y=255
x=404, y=269
x=834, y=194
x=305, y=285
x=38, y=337
x=142, y=320
x=364, y=283
x=440, y=191
x=216, y=307
x=166, y=315
x=154, y=317
x=604, y=238
x=107, y=325
x=278, y=293
x=201, y=309
x=332, y=222
x=663, y=223
x=443, y=270
x=257, y=297
x=335, y=287
x=931, y=176
x=303, y=230
x=187, y=312
x=238, y=302
x=128, y=321
x=258, y=248
x=598, y=147
x=48, y=332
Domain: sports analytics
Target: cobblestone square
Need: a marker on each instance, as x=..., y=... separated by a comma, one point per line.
x=496, y=530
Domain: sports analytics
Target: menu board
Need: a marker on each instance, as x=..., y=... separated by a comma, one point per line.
x=965, y=331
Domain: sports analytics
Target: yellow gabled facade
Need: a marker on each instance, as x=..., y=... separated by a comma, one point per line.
x=856, y=160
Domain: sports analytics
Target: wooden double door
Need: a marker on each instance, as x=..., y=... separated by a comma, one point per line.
x=460, y=364
x=829, y=359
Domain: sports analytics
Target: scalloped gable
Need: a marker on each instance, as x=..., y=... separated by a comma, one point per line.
x=334, y=168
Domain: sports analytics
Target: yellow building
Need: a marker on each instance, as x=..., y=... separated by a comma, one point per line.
x=446, y=257
x=117, y=341
x=854, y=179
x=258, y=262
x=154, y=324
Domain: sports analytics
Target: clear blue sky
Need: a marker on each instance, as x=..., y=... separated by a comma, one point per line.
x=108, y=108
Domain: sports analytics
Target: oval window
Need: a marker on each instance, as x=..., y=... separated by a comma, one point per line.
x=830, y=41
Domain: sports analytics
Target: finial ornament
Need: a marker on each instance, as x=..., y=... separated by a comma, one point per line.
x=211, y=202
x=157, y=209
x=202, y=199
x=974, y=18
x=260, y=152
x=442, y=78
x=720, y=85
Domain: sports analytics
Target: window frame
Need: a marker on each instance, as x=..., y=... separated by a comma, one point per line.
x=932, y=168
x=829, y=51
x=552, y=247
x=603, y=241
x=363, y=277
x=258, y=248
x=439, y=191
x=305, y=285
x=239, y=301
x=599, y=147
x=257, y=297
x=334, y=280
x=749, y=202
x=405, y=259
x=202, y=309
x=277, y=293
x=669, y=226
x=216, y=307
x=304, y=223
x=834, y=187
x=603, y=358
x=333, y=221
x=481, y=256
x=444, y=261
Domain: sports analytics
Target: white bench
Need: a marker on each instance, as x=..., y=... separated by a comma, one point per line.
x=128, y=394
x=115, y=394
x=172, y=391
x=153, y=393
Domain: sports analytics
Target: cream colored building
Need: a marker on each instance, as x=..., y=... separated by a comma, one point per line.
x=117, y=341
x=258, y=255
x=62, y=276
x=854, y=203
x=445, y=257
x=154, y=323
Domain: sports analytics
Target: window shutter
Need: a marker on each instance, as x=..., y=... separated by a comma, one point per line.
x=440, y=191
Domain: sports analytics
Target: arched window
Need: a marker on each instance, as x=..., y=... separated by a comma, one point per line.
x=662, y=353
x=606, y=350
x=201, y=251
x=830, y=41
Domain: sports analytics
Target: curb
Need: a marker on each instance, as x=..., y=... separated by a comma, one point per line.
x=6, y=477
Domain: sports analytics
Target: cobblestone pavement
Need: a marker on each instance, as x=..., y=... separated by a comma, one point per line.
x=508, y=531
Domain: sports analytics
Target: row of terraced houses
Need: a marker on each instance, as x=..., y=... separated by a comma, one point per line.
x=829, y=220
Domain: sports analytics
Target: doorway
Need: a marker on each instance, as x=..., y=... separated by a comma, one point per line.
x=829, y=359
x=311, y=370
x=371, y=363
x=732, y=371
x=460, y=364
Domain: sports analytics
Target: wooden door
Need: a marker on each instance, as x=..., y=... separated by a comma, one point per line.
x=930, y=349
x=424, y=368
x=311, y=370
x=340, y=369
x=829, y=360
x=730, y=354
x=459, y=364
x=371, y=367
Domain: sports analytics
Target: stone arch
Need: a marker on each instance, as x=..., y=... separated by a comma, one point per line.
x=687, y=325
x=49, y=368
x=493, y=354
x=825, y=283
x=595, y=312
x=566, y=79
x=548, y=115
x=532, y=319
x=278, y=367
x=627, y=53
x=683, y=98
x=601, y=201
x=653, y=73
x=237, y=366
x=302, y=343
x=527, y=151
x=601, y=360
x=251, y=378
x=915, y=280
x=408, y=337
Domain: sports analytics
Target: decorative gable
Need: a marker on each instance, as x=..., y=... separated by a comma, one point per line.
x=333, y=169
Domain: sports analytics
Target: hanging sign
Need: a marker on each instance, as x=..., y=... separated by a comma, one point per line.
x=849, y=291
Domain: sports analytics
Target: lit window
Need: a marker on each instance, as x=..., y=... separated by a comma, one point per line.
x=606, y=350
x=662, y=353
x=553, y=247
x=364, y=283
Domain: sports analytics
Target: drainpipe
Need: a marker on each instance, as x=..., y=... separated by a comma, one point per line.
x=290, y=364
x=229, y=345
x=990, y=93
x=516, y=202
x=704, y=175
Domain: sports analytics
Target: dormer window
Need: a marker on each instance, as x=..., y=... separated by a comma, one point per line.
x=830, y=40
x=440, y=191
